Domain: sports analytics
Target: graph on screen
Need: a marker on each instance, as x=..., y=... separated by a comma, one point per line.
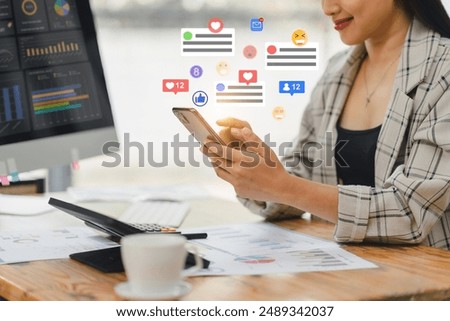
x=54, y=49
x=62, y=95
x=13, y=106
x=53, y=95
x=62, y=7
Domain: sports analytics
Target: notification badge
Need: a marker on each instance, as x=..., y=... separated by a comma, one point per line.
x=248, y=76
x=175, y=85
x=291, y=87
x=257, y=24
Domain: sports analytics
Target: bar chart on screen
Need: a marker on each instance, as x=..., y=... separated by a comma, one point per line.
x=63, y=94
x=53, y=49
x=12, y=105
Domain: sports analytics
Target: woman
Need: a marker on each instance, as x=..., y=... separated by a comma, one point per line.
x=388, y=97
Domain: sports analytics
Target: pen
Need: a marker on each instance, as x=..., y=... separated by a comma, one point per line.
x=189, y=236
x=195, y=236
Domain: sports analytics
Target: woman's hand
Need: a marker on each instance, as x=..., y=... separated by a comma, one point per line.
x=225, y=133
x=256, y=173
x=254, y=170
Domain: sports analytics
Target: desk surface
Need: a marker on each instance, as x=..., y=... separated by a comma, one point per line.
x=403, y=273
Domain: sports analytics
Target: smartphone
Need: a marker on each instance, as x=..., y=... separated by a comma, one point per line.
x=196, y=124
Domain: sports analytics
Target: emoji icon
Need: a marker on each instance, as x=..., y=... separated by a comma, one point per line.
x=291, y=87
x=278, y=113
x=299, y=37
x=215, y=25
x=175, y=85
x=200, y=98
x=248, y=76
x=196, y=71
x=250, y=52
x=222, y=68
x=257, y=24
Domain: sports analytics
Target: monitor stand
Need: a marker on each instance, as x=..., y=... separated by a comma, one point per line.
x=59, y=178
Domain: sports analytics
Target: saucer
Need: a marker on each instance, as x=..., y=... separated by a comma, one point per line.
x=182, y=288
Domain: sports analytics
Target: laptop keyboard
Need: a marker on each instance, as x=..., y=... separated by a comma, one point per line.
x=155, y=216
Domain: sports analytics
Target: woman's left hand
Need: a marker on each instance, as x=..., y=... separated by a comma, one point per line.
x=254, y=170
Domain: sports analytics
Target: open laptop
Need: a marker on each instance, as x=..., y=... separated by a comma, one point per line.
x=110, y=225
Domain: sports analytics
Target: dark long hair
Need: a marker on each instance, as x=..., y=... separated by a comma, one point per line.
x=430, y=12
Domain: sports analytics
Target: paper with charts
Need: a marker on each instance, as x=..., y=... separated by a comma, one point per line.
x=21, y=246
x=263, y=248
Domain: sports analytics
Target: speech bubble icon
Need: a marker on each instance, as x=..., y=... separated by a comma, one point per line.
x=248, y=76
x=175, y=85
x=291, y=87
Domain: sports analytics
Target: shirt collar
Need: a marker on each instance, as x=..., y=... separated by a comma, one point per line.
x=420, y=46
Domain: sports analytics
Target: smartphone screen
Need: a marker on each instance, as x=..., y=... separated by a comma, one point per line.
x=196, y=124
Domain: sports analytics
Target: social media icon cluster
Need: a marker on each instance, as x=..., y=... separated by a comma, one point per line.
x=247, y=89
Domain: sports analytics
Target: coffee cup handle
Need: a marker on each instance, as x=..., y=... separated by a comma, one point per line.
x=198, y=262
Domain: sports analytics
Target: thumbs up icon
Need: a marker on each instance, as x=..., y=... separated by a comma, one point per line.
x=200, y=98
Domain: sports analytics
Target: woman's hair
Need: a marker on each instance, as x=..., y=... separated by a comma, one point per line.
x=430, y=12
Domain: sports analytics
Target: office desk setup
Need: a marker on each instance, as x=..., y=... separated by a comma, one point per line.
x=402, y=273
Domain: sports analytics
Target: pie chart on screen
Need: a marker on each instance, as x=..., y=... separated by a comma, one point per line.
x=62, y=8
x=255, y=259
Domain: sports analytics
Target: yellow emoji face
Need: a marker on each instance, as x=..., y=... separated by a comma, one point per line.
x=299, y=37
x=222, y=68
x=278, y=113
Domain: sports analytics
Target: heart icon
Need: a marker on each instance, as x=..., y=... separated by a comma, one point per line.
x=247, y=76
x=215, y=25
x=175, y=85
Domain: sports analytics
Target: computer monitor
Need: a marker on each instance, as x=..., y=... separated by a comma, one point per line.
x=54, y=104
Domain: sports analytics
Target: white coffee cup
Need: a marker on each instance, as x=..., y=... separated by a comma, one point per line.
x=155, y=262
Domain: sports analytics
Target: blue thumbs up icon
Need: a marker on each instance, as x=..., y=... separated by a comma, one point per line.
x=200, y=98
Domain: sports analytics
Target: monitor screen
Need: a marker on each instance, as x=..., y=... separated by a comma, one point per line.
x=53, y=97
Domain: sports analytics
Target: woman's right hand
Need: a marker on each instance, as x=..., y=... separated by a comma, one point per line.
x=226, y=132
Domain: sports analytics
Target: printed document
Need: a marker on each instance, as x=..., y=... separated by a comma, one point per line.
x=49, y=244
x=263, y=248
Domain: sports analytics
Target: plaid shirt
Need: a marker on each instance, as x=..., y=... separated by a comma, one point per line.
x=411, y=197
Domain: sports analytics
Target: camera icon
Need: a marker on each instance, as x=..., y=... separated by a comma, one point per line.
x=256, y=24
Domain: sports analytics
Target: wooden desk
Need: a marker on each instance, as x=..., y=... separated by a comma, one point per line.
x=404, y=273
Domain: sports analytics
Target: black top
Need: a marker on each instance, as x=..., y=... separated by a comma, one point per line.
x=355, y=155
